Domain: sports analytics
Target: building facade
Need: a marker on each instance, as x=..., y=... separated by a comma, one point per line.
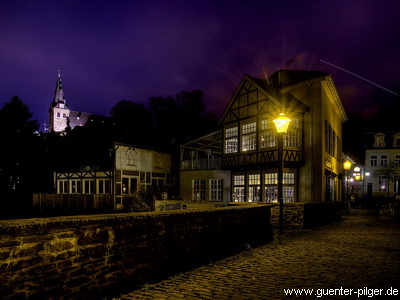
x=90, y=162
x=312, y=151
x=382, y=164
x=201, y=176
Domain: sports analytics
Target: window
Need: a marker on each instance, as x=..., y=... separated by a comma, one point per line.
x=374, y=160
x=76, y=186
x=199, y=190
x=292, y=139
x=249, y=139
x=254, y=187
x=397, y=160
x=238, y=188
x=382, y=183
x=396, y=140
x=129, y=185
x=379, y=140
x=89, y=186
x=271, y=187
x=268, y=134
x=384, y=160
x=104, y=186
x=216, y=189
x=231, y=140
x=63, y=187
x=330, y=139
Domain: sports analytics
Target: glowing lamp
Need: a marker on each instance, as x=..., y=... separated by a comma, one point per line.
x=282, y=123
x=347, y=165
x=357, y=177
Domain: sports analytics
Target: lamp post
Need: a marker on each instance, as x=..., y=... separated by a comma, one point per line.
x=347, y=166
x=281, y=124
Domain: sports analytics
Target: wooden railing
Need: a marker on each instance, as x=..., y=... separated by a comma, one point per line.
x=73, y=200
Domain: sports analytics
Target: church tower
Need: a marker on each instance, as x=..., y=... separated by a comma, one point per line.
x=59, y=111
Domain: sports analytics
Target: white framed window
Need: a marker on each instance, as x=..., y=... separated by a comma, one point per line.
x=76, y=186
x=103, y=186
x=249, y=137
x=271, y=187
x=238, y=188
x=231, y=140
x=199, y=189
x=63, y=187
x=384, y=160
x=268, y=134
x=254, y=187
x=374, y=160
x=216, y=186
x=129, y=185
x=89, y=186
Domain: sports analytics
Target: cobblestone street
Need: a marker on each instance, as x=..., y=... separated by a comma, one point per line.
x=356, y=258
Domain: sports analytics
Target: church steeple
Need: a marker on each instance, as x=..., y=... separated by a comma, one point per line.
x=59, y=111
x=59, y=97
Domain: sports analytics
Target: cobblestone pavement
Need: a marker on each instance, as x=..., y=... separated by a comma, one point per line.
x=359, y=253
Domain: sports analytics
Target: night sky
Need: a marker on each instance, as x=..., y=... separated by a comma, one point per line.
x=119, y=49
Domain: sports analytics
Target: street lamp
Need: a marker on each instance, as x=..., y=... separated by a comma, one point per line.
x=281, y=124
x=347, y=166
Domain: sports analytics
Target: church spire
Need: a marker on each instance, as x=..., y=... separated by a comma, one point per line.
x=59, y=97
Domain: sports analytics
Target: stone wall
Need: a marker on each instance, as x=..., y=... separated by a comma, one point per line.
x=306, y=214
x=94, y=256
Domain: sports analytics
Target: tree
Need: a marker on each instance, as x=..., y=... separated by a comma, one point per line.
x=134, y=120
x=181, y=117
x=17, y=133
x=388, y=173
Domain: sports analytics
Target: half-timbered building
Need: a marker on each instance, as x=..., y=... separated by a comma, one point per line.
x=312, y=147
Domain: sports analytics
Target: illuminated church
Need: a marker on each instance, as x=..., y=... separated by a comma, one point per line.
x=61, y=118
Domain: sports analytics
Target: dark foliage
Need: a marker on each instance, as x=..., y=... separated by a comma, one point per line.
x=165, y=120
x=19, y=152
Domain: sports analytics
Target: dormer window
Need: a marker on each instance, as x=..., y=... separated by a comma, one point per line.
x=396, y=140
x=379, y=140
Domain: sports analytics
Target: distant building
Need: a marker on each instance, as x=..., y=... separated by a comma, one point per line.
x=382, y=164
x=93, y=168
x=61, y=118
x=312, y=150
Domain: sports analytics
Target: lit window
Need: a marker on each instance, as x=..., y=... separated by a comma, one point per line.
x=238, y=188
x=249, y=138
x=271, y=187
x=254, y=187
x=231, y=140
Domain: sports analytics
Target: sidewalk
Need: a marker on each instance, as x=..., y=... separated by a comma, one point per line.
x=356, y=258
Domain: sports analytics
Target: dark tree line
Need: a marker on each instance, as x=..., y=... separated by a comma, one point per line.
x=18, y=151
x=165, y=120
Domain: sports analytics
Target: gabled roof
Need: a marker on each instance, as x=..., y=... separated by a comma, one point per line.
x=267, y=91
x=276, y=89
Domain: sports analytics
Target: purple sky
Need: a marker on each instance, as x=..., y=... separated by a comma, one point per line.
x=120, y=49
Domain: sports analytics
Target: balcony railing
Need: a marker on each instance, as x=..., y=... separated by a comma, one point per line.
x=214, y=163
